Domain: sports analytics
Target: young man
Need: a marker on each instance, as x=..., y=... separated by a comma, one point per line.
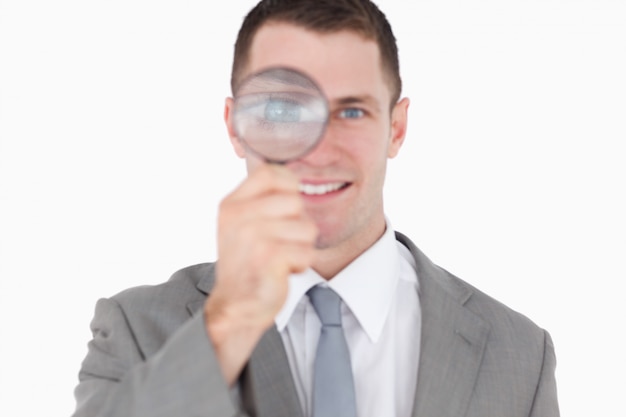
x=243, y=336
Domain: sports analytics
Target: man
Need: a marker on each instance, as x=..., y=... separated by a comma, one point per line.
x=242, y=336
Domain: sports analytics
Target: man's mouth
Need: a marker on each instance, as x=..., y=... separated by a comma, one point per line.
x=321, y=189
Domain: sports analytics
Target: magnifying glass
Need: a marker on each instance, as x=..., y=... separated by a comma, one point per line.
x=280, y=114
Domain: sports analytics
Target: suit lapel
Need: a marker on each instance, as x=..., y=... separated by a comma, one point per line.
x=453, y=340
x=267, y=384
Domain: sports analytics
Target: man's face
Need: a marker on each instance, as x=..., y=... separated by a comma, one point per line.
x=342, y=179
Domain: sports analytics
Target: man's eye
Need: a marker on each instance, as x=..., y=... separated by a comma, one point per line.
x=282, y=111
x=351, y=113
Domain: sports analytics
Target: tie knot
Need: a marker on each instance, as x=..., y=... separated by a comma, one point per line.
x=327, y=305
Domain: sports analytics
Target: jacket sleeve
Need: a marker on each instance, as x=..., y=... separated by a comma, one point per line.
x=545, y=403
x=182, y=379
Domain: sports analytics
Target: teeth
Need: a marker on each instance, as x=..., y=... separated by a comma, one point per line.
x=319, y=189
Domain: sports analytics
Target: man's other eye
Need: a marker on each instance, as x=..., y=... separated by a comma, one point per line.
x=351, y=113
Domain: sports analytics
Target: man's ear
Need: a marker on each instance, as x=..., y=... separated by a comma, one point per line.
x=228, y=119
x=399, y=120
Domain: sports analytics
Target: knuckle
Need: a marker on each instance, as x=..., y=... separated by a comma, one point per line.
x=293, y=204
x=248, y=234
x=263, y=175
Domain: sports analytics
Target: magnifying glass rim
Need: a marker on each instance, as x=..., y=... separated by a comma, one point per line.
x=315, y=86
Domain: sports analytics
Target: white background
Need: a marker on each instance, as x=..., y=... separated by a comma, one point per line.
x=113, y=158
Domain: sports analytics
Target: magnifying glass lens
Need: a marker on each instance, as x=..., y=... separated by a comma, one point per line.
x=280, y=114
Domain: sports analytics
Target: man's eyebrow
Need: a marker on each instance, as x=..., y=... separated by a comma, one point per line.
x=277, y=80
x=364, y=99
x=277, y=77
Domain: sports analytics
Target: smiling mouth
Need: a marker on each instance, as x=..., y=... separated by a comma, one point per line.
x=321, y=189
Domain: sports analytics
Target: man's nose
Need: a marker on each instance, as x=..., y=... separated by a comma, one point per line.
x=326, y=151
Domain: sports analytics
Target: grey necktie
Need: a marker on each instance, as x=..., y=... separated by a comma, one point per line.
x=333, y=384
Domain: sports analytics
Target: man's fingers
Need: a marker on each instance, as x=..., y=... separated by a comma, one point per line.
x=288, y=259
x=287, y=231
x=272, y=206
x=260, y=243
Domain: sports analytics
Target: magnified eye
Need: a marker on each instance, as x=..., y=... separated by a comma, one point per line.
x=280, y=123
x=283, y=111
x=271, y=110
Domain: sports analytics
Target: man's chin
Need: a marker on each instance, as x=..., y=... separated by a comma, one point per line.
x=322, y=244
x=325, y=242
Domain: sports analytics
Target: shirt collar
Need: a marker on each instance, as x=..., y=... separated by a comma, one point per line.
x=367, y=286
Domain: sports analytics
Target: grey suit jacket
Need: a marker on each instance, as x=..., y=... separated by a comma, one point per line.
x=150, y=356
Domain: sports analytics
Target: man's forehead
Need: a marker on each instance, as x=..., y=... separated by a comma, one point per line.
x=320, y=54
x=296, y=41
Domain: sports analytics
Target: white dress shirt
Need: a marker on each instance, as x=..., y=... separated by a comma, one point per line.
x=381, y=319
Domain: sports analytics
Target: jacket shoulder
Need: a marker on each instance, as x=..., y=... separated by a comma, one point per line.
x=193, y=279
x=496, y=313
x=154, y=312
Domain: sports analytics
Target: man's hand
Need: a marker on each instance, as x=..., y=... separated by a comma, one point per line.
x=264, y=235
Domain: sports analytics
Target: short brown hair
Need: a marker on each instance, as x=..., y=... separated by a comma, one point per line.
x=325, y=16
